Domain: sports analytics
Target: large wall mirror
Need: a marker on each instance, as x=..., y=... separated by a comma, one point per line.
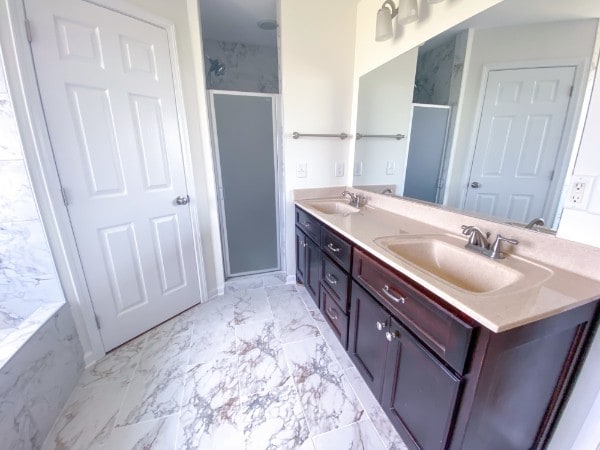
x=489, y=110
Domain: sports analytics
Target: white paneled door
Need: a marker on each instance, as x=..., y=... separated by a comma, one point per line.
x=107, y=90
x=519, y=139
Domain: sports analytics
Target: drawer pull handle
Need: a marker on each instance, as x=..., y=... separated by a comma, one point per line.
x=381, y=325
x=306, y=225
x=386, y=291
x=331, y=247
x=331, y=279
x=390, y=336
x=331, y=313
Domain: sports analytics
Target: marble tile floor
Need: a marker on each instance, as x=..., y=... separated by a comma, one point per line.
x=257, y=368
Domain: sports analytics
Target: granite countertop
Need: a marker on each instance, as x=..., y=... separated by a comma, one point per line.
x=533, y=298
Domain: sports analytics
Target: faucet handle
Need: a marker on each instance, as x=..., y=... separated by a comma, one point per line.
x=496, y=252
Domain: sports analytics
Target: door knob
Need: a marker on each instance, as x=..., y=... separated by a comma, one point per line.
x=381, y=325
x=475, y=184
x=182, y=200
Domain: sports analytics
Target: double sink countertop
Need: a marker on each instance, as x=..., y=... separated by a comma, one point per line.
x=542, y=289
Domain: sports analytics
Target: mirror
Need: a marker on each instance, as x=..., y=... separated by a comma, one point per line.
x=490, y=110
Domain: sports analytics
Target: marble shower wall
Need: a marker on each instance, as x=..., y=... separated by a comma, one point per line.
x=28, y=278
x=41, y=357
x=248, y=68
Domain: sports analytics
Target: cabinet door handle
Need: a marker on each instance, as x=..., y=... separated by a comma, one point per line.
x=331, y=247
x=381, y=325
x=304, y=243
x=390, y=336
x=331, y=313
x=306, y=225
x=386, y=291
x=331, y=279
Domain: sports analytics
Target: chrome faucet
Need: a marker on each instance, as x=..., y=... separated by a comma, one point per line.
x=387, y=191
x=478, y=242
x=356, y=200
x=476, y=237
x=535, y=222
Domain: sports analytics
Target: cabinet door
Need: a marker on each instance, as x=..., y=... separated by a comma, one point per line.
x=312, y=275
x=367, y=344
x=420, y=393
x=300, y=255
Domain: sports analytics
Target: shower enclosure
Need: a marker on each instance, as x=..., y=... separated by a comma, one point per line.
x=244, y=127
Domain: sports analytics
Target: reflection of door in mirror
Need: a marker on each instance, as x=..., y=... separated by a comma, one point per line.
x=519, y=141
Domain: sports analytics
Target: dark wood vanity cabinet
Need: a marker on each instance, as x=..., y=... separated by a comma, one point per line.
x=308, y=253
x=417, y=391
x=444, y=380
x=323, y=260
x=448, y=382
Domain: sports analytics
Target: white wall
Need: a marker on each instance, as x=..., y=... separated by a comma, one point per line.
x=384, y=107
x=316, y=66
x=577, y=224
x=572, y=40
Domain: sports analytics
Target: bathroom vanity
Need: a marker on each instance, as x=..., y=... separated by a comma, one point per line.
x=461, y=351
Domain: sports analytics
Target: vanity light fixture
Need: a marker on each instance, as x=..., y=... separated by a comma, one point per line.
x=408, y=11
x=384, y=29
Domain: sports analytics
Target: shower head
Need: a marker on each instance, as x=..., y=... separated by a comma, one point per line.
x=216, y=67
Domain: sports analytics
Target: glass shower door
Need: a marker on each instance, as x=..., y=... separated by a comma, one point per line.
x=245, y=155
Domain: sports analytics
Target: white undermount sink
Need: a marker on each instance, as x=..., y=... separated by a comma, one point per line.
x=333, y=207
x=445, y=257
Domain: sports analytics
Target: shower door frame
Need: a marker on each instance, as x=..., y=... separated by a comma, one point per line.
x=278, y=170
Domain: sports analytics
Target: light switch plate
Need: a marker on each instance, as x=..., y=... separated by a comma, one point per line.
x=390, y=167
x=301, y=170
x=357, y=168
x=339, y=169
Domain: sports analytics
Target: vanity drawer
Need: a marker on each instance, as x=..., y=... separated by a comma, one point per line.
x=446, y=334
x=336, y=247
x=337, y=281
x=334, y=315
x=308, y=224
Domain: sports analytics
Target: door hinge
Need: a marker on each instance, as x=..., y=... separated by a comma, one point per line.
x=571, y=91
x=97, y=321
x=64, y=196
x=552, y=175
x=28, y=30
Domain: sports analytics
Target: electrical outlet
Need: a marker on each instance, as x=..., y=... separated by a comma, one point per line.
x=390, y=167
x=339, y=169
x=579, y=192
x=301, y=170
x=357, y=168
